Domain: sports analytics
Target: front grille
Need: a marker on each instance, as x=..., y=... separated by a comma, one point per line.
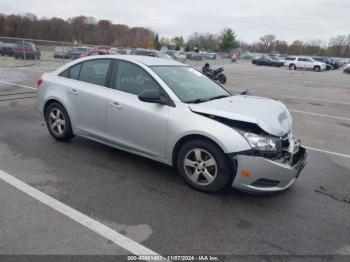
x=262, y=182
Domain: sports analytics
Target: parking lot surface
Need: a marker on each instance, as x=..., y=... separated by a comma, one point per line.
x=149, y=203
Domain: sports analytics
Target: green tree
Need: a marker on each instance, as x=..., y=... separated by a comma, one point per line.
x=228, y=40
x=178, y=42
x=156, y=43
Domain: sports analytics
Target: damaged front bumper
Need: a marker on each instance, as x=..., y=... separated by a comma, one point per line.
x=256, y=173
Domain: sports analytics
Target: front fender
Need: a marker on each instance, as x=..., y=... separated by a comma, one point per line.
x=181, y=126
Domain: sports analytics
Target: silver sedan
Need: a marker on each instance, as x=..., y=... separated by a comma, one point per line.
x=171, y=113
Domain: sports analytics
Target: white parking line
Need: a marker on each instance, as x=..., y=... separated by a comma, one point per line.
x=326, y=151
x=320, y=115
x=29, y=69
x=316, y=99
x=297, y=97
x=8, y=83
x=104, y=231
x=25, y=68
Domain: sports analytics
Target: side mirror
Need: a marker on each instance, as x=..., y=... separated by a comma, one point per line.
x=153, y=96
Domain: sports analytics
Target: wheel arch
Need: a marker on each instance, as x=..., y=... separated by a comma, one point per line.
x=186, y=138
x=317, y=67
x=53, y=100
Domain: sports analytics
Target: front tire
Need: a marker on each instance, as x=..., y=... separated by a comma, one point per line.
x=292, y=67
x=317, y=69
x=58, y=122
x=204, y=165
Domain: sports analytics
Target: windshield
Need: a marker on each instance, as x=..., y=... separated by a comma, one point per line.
x=189, y=85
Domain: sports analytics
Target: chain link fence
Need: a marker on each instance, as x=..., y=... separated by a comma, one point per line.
x=21, y=52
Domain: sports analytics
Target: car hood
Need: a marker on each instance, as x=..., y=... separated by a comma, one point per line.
x=270, y=115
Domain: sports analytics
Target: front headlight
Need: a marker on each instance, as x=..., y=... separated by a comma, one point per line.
x=261, y=143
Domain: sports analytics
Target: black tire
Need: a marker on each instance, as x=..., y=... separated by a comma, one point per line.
x=292, y=67
x=224, y=173
x=222, y=79
x=67, y=133
x=317, y=68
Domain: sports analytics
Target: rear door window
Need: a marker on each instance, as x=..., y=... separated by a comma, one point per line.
x=74, y=71
x=95, y=71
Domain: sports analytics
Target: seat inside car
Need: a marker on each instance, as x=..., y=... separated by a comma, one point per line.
x=88, y=74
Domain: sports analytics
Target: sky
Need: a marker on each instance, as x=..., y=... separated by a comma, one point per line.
x=287, y=19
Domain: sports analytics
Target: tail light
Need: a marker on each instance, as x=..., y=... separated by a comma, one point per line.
x=39, y=82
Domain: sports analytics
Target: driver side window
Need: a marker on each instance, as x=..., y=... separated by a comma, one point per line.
x=133, y=79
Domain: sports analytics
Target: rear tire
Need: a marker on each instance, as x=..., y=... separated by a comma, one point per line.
x=222, y=79
x=204, y=166
x=58, y=122
x=317, y=68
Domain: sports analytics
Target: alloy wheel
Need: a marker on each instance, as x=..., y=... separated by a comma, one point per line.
x=200, y=166
x=57, y=123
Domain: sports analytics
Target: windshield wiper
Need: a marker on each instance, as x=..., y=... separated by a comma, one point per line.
x=197, y=101
x=218, y=97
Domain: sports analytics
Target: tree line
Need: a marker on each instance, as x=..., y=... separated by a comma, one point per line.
x=338, y=46
x=89, y=30
x=80, y=29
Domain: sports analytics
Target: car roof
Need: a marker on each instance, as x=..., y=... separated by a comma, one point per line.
x=146, y=60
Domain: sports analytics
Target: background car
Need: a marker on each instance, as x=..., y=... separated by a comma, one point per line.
x=325, y=60
x=6, y=49
x=209, y=56
x=303, y=62
x=152, y=53
x=62, y=52
x=26, y=50
x=78, y=50
x=103, y=47
x=347, y=69
x=194, y=56
x=268, y=61
x=335, y=63
x=97, y=52
x=177, y=55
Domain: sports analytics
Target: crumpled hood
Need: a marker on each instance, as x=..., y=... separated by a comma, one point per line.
x=270, y=115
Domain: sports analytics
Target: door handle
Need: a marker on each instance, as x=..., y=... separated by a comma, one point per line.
x=115, y=105
x=74, y=91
